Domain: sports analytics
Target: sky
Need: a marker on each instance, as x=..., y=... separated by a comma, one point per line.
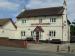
x=12, y=8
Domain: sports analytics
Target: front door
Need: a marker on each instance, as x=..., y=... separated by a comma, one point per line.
x=38, y=31
x=37, y=37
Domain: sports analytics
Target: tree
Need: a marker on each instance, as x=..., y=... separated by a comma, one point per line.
x=72, y=27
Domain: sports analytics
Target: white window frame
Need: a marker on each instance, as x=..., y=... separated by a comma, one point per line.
x=52, y=20
x=24, y=21
x=23, y=33
x=52, y=33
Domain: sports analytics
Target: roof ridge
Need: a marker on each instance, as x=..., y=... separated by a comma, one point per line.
x=44, y=8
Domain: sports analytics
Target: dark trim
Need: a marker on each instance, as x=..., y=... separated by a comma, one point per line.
x=6, y=21
x=39, y=16
x=13, y=23
x=68, y=22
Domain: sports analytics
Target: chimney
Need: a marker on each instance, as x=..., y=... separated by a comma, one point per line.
x=65, y=4
x=65, y=7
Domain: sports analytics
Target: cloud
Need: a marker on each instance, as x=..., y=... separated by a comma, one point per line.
x=71, y=9
x=5, y=4
x=43, y=3
x=14, y=6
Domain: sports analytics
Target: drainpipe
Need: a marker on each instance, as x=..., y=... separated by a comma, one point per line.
x=62, y=28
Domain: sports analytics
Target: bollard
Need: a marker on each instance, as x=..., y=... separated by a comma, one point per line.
x=68, y=48
x=58, y=48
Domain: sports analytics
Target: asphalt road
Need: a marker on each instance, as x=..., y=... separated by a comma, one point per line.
x=31, y=53
x=7, y=51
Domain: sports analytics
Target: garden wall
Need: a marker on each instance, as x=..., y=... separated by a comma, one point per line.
x=13, y=43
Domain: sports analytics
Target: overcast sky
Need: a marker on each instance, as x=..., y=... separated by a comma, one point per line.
x=11, y=8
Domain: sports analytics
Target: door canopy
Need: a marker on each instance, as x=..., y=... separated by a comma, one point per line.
x=38, y=29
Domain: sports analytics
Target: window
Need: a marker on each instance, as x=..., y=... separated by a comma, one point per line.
x=52, y=33
x=32, y=33
x=40, y=20
x=22, y=33
x=52, y=19
x=23, y=21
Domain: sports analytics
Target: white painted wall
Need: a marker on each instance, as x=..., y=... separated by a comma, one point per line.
x=27, y=27
x=12, y=33
x=8, y=31
x=36, y=20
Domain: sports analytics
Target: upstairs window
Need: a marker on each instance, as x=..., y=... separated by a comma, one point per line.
x=22, y=33
x=52, y=19
x=23, y=21
x=40, y=20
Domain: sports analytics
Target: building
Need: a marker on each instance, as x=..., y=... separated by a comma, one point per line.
x=39, y=24
x=7, y=28
x=8, y=35
x=44, y=24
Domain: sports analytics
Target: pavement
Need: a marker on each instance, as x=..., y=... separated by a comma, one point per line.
x=35, y=51
x=49, y=47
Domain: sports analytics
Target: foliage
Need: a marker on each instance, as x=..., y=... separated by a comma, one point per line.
x=72, y=27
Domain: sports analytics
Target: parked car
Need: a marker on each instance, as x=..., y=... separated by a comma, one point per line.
x=56, y=41
x=29, y=39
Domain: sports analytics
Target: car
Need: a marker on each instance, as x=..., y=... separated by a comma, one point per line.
x=57, y=41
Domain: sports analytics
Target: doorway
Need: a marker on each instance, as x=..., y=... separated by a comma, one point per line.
x=37, y=37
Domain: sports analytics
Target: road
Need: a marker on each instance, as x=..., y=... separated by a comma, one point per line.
x=25, y=52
